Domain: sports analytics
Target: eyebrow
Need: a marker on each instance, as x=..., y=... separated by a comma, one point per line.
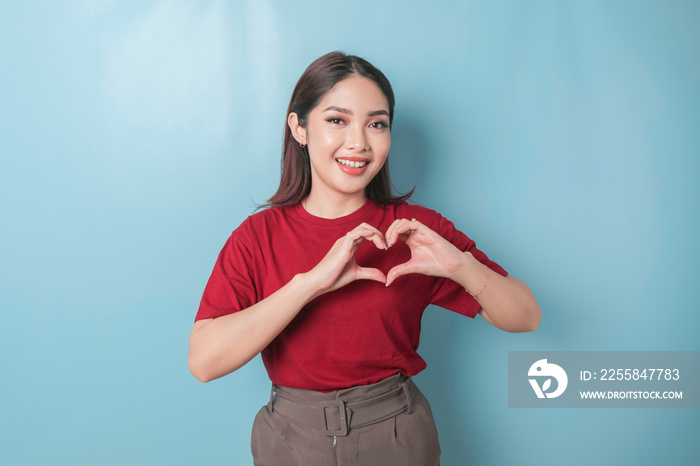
x=350, y=112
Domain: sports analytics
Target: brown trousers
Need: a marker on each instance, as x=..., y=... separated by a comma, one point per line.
x=385, y=424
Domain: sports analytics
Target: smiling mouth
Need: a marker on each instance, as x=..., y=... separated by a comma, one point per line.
x=350, y=163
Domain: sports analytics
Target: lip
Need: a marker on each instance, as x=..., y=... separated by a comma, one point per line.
x=354, y=171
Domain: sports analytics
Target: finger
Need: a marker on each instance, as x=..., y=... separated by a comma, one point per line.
x=367, y=273
x=401, y=228
x=370, y=233
x=399, y=270
x=382, y=241
x=390, y=230
x=367, y=226
x=391, y=234
x=408, y=228
x=356, y=237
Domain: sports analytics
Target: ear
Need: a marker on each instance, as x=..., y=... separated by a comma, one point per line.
x=298, y=131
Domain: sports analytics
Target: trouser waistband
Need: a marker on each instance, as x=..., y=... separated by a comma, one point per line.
x=335, y=413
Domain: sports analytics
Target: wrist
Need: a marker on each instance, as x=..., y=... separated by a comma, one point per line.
x=307, y=283
x=472, y=274
x=476, y=294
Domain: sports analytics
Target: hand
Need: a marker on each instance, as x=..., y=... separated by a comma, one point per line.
x=431, y=254
x=338, y=268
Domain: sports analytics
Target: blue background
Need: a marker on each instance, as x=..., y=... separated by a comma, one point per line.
x=562, y=136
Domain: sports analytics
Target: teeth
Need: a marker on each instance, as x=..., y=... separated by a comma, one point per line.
x=351, y=164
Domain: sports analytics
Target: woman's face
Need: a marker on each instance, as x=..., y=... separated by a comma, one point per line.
x=348, y=137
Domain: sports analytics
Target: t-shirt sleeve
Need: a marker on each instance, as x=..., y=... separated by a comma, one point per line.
x=449, y=294
x=231, y=286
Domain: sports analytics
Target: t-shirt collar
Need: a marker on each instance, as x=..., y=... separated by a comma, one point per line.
x=353, y=219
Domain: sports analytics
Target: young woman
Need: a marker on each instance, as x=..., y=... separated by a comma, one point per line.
x=330, y=282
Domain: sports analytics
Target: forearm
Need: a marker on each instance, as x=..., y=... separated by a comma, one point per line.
x=222, y=345
x=506, y=302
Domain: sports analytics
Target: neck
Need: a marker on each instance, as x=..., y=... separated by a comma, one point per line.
x=333, y=205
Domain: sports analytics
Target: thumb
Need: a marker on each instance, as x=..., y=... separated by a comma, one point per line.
x=399, y=270
x=366, y=273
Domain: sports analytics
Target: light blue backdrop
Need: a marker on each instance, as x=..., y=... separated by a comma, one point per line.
x=135, y=136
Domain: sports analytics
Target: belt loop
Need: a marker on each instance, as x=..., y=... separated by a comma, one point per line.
x=404, y=387
x=272, y=397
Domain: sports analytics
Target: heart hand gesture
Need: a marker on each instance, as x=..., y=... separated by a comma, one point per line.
x=431, y=254
x=338, y=268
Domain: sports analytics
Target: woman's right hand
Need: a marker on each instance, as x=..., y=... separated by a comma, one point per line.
x=222, y=345
x=338, y=268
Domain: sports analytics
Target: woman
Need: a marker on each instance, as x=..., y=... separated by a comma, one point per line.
x=330, y=283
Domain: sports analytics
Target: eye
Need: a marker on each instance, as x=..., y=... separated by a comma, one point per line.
x=335, y=121
x=379, y=125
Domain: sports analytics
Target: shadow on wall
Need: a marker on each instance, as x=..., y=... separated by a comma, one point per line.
x=407, y=158
x=408, y=166
x=443, y=330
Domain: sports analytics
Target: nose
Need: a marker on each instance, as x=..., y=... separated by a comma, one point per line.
x=357, y=139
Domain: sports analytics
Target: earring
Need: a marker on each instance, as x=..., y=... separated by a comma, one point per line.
x=302, y=145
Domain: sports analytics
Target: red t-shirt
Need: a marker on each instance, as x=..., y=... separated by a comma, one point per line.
x=357, y=335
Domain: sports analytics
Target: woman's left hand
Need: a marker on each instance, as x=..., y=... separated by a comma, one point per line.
x=510, y=303
x=431, y=254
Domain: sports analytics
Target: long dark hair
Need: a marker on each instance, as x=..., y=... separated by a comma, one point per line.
x=314, y=83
